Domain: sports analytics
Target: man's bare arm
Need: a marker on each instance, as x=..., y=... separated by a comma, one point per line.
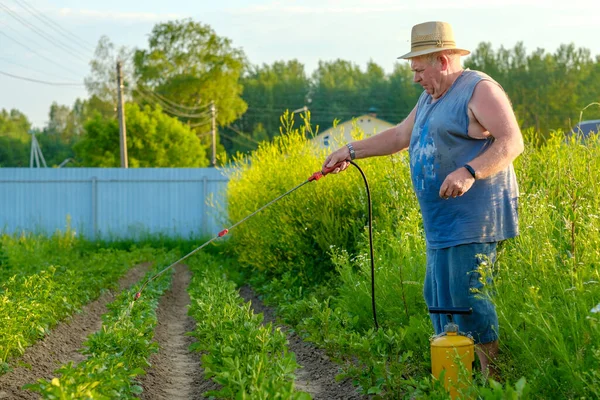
x=390, y=141
x=493, y=111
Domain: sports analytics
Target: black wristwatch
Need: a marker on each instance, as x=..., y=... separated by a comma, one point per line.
x=471, y=170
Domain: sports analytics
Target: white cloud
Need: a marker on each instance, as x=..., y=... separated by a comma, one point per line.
x=118, y=16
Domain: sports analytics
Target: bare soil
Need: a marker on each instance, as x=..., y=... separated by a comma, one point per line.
x=176, y=372
x=62, y=344
x=317, y=373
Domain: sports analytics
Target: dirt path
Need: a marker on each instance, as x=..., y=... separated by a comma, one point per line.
x=317, y=375
x=175, y=372
x=63, y=343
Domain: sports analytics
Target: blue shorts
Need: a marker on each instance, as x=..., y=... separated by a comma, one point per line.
x=454, y=279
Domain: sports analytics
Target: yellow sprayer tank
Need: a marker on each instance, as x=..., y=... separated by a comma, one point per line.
x=449, y=350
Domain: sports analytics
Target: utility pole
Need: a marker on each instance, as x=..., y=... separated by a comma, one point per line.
x=36, y=154
x=214, y=133
x=121, y=112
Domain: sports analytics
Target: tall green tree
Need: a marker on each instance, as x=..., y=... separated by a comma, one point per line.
x=154, y=139
x=57, y=138
x=186, y=67
x=57, y=150
x=16, y=133
x=13, y=152
x=272, y=89
x=341, y=90
x=401, y=94
x=548, y=90
x=14, y=124
x=65, y=127
x=101, y=83
x=589, y=89
x=15, y=141
x=337, y=92
x=63, y=121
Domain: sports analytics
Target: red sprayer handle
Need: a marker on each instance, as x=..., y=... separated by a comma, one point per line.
x=319, y=174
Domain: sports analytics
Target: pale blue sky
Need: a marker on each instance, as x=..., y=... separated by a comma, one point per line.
x=267, y=31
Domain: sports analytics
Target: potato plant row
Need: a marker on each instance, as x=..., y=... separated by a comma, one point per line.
x=27, y=253
x=32, y=304
x=117, y=353
x=248, y=359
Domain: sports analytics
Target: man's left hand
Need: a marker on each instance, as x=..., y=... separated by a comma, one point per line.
x=457, y=183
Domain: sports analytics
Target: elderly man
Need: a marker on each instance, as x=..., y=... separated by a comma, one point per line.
x=462, y=137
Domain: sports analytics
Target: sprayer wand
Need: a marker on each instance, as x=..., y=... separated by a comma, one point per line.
x=314, y=177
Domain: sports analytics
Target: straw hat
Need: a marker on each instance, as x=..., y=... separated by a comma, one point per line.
x=431, y=37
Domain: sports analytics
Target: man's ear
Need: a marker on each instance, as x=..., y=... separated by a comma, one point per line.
x=444, y=62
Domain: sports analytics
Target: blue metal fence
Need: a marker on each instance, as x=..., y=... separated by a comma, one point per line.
x=112, y=203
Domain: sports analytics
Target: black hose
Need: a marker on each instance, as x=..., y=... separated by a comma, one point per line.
x=370, y=244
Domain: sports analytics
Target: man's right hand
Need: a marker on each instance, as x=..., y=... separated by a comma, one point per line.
x=340, y=156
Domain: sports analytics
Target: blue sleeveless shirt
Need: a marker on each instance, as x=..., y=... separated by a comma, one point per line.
x=439, y=145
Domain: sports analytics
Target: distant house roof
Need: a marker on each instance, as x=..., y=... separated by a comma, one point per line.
x=585, y=128
x=342, y=133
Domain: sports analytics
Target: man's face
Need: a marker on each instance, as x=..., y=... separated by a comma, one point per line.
x=427, y=75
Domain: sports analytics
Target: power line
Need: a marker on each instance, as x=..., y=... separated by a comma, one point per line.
x=54, y=26
x=237, y=141
x=43, y=34
x=202, y=123
x=147, y=97
x=174, y=111
x=32, y=69
x=323, y=112
x=38, y=54
x=18, y=33
x=40, y=33
x=244, y=135
x=40, y=81
x=181, y=105
x=147, y=94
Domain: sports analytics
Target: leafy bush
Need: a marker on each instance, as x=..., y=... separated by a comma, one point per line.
x=295, y=233
x=154, y=139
